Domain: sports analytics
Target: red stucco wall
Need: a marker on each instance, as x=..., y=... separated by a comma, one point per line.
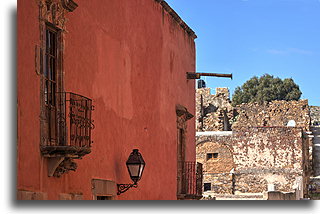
x=131, y=58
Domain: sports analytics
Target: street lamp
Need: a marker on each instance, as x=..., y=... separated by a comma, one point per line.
x=135, y=165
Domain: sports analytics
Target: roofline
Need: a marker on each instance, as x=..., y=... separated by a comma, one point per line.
x=177, y=18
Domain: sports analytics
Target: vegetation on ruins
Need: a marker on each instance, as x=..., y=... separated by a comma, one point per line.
x=266, y=88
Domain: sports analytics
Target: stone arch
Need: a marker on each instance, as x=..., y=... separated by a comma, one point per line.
x=222, y=156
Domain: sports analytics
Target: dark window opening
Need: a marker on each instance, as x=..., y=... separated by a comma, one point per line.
x=104, y=197
x=50, y=80
x=212, y=156
x=207, y=187
x=226, y=123
x=50, y=71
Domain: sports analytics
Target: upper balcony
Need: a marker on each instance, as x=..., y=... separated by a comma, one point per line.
x=69, y=126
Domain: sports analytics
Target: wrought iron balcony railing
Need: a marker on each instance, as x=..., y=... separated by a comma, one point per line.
x=191, y=180
x=69, y=126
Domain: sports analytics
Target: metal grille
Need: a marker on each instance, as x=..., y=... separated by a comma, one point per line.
x=192, y=177
x=73, y=120
x=199, y=179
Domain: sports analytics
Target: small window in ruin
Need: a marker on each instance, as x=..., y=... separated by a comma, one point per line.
x=104, y=197
x=212, y=156
x=207, y=187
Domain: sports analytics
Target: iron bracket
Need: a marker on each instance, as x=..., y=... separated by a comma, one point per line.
x=125, y=187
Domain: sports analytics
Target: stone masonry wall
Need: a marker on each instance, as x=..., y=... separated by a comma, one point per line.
x=259, y=156
x=265, y=156
x=266, y=146
x=256, y=181
x=216, y=171
x=215, y=144
x=315, y=115
x=215, y=107
x=315, y=128
x=276, y=113
x=315, y=188
x=221, y=183
x=316, y=150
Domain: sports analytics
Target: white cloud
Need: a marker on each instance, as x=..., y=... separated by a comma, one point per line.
x=300, y=51
x=289, y=51
x=275, y=51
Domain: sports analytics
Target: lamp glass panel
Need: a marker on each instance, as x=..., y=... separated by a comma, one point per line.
x=141, y=170
x=134, y=170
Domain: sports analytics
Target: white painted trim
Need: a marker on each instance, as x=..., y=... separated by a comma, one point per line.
x=215, y=133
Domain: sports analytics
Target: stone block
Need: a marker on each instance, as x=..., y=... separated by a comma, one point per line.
x=275, y=196
x=28, y=195
x=65, y=196
x=77, y=197
x=25, y=195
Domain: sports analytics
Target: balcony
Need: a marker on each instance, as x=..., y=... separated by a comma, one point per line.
x=68, y=126
x=190, y=180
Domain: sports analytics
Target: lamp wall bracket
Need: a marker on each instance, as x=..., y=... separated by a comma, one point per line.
x=125, y=187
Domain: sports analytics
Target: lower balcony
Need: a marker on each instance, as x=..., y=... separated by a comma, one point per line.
x=68, y=126
x=190, y=181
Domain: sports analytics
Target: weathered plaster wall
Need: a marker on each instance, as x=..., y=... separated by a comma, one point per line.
x=268, y=147
x=131, y=58
x=259, y=156
x=268, y=156
x=279, y=114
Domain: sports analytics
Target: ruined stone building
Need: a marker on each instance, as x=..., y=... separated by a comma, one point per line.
x=252, y=148
x=214, y=110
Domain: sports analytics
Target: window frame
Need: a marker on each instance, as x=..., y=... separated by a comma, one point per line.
x=52, y=80
x=213, y=156
x=50, y=69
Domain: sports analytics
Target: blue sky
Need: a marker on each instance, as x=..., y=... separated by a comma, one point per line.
x=254, y=37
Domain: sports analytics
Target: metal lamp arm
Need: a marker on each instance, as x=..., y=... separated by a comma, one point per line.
x=125, y=187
